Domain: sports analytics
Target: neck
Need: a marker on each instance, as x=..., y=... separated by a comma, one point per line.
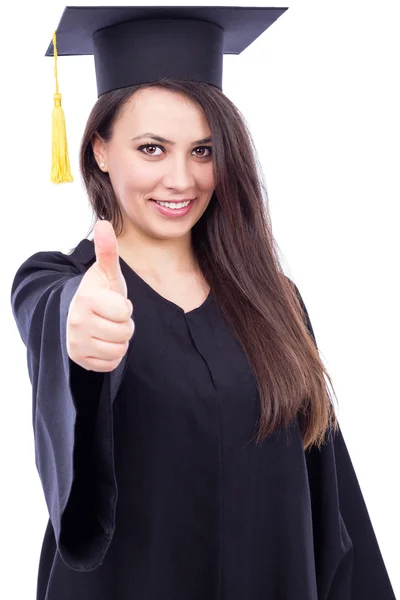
x=158, y=258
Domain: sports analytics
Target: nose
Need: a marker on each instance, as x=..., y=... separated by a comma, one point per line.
x=178, y=174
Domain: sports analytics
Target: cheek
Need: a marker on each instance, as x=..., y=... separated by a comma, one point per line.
x=132, y=174
x=208, y=178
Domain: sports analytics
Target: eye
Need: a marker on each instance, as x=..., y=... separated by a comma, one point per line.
x=149, y=146
x=205, y=148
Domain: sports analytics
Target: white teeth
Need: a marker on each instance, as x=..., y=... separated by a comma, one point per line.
x=174, y=204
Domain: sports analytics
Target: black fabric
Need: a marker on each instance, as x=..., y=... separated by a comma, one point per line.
x=142, y=44
x=154, y=487
x=144, y=51
x=62, y=394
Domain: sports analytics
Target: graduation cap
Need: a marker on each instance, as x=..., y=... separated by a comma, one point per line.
x=142, y=44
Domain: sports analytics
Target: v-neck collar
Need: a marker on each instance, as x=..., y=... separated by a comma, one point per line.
x=86, y=254
x=158, y=297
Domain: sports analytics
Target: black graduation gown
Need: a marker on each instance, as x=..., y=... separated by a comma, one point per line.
x=153, y=485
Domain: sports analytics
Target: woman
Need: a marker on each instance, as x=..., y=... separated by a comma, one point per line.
x=188, y=449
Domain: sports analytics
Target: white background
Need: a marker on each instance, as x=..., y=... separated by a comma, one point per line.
x=320, y=92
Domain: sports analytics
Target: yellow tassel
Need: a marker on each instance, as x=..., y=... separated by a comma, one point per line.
x=60, y=168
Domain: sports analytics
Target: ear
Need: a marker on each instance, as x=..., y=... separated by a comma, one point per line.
x=99, y=151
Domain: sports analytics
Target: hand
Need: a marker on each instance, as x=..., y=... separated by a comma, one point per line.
x=99, y=323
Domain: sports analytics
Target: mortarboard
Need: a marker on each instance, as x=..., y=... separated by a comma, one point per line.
x=142, y=44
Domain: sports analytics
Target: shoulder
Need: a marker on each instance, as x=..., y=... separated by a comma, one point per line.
x=54, y=261
x=83, y=253
x=303, y=307
x=79, y=258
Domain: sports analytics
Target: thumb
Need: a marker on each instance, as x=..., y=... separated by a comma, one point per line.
x=107, y=257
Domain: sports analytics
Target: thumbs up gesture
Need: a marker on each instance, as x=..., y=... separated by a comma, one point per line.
x=99, y=323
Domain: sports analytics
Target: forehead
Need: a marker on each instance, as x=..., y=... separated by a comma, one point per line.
x=155, y=106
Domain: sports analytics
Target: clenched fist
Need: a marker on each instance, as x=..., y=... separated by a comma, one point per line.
x=99, y=323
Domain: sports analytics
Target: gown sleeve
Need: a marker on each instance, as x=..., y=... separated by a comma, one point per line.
x=348, y=561
x=71, y=412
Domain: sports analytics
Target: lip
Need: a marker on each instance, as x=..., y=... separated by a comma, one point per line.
x=172, y=212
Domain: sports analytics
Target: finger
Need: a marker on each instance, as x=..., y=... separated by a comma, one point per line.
x=107, y=257
x=110, y=305
x=101, y=366
x=109, y=331
x=107, y=350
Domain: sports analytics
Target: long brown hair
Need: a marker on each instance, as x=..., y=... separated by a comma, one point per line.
x=239, y=258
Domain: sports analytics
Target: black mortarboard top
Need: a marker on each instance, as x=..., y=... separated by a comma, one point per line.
x=139, y=44
x=142, y=44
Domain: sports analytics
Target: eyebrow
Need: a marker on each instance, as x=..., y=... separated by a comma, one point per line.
x=158, y=138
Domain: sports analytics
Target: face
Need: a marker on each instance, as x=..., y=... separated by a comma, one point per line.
x=143, y=169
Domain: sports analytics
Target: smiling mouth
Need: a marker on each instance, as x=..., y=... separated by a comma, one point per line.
x=181, y=205
x=174, y=201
